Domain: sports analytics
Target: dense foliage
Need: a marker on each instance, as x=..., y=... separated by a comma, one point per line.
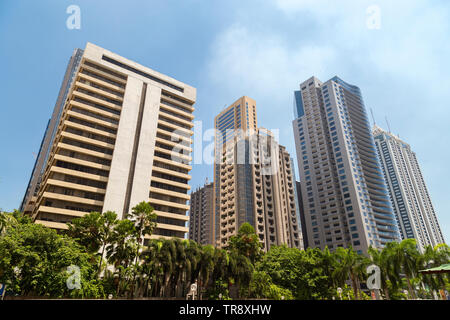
x=116, y=257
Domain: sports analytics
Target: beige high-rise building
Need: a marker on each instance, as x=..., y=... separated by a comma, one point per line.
x=237, y=118
x=123, y=136
x=201, y=215
x=254, y=180
x=46, y=144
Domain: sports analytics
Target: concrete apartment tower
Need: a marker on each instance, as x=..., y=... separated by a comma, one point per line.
x=237, y=118
x=49, y=135
x=409, y=195
x=201, y=215
x=122, y=135
x=253, y=180
x=345, y=198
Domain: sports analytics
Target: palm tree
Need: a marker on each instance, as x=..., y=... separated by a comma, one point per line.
x=180, y=266
x=382, y=258
x=167, y=257
x=328, y=261
x=121, y=252
x=108, y=222
x=405, y=257
x=144, y=222
x=241, y=270
x=86, y=230
x=206, y=266
x=221, y=265
x=193, y=255
x=349, y=264
x=153, y=264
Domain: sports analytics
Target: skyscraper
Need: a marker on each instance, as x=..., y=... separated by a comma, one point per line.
x=409, y=195
x=238, y=117
x=49, y=135
x=201, y=215
x=345, y=197
x=123, y=136
x=254, y=180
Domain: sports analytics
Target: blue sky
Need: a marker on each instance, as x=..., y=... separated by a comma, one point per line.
x=226, y=49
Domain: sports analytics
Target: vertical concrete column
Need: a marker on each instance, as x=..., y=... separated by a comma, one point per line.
x=123, y=149
x=146, y=147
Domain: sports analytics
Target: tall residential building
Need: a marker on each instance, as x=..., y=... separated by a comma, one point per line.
x=123, y=136
x=345, y=198
x=49, y=135
x=409, y=195
x=253, y=180
x=237, y=118
x=201, y=215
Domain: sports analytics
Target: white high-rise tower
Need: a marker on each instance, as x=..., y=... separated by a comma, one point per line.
x=409, y=195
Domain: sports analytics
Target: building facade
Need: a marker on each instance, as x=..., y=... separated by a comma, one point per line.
x=345, y=198
x=238, y=118
x=254, y=181
x=298, y=190
x=49, y=135
x=410, y=199
x=201, y=215
x=123, y=136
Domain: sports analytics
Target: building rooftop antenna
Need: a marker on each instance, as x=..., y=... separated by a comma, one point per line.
x=373, y=118
x=389, y=127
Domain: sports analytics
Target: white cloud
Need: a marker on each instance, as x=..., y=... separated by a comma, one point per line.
x=263, y=64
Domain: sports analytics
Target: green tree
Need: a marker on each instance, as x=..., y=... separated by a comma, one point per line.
x=301, y=272
x=219, y=291
x=153, y=266
x=262, y=287
x=350, y=265
x=206, y=267
x=122, y=251
x=108, y=223
x=385, y=260
x=189, y=269
x=34, y=261
x=431, y=258
x=221, y=266
x=405, y=259
x=246, y=243
x=144, y=221
x=240, y=270
x=86, y=231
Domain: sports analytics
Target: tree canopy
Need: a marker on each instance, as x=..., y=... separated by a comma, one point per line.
x=117, y=257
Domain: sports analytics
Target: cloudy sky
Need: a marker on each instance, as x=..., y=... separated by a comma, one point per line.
x=397, y=52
